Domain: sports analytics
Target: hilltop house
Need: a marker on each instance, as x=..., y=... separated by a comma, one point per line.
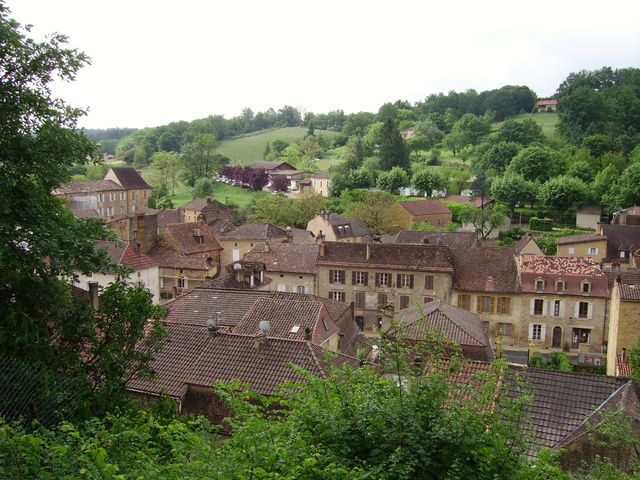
x=317, y=184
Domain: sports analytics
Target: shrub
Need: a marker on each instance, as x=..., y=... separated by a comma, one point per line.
x=541, y=224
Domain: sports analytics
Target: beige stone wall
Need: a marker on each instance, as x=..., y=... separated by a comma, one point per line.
x=371, y=313
x=624, y=328
x=582, y=250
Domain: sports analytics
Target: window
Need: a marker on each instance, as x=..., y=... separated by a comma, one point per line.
x=464, y=301
x=339, y=296
x=585, y=287
x=112, y=197
x=538, y=306
x=302, y=289
x=505, y=329
x=282, y=287
x=325, y=324
x=382, y=280
x=404, y=301
x=428, y=282
x=559, y=286
x=360, y=300
x=382, y=300
x=486, y=304
x=581, y=335
x=504, y=305
x=572, y=250
x=539, y=284
x=183, y=283
x=427, y=299
x=593, y=251
x=123, y=196
x=161, y=282
x=405, y=280
x=583, y=310
x=336, y=276
x=623, y=254
x=557, y=308
x=359, y=278
x=101, y=197
x=537, y=331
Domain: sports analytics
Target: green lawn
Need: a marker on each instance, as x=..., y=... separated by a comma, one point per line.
x=546, y=120
x=249, y=149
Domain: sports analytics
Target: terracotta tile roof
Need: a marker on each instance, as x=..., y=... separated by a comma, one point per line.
x=624, y=367
x=175, y=259
x=289, y=319
x=387, y=256
x=455, y=324
x=621, y=237
x=562, y=400
x=629, y=284
x=195, y=204
x=184, y=234
x=137, y=260
x=587, y=237
x=90, y=186
x=485, y=270
x=451, y=239
x=192, y=356
x=299, y=235
x=228, y=306
x=255, y=231
x=129, y=178
x=570, y=269
x=425, y=207
x=285, y=257
x=167, y=216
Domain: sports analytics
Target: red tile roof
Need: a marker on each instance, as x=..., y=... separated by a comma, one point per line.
x=175, y=259
x=289, y=319
x=387, y=256
x=491, y=269
x=425, y=207
x=125, y=254
x=192, y=356
x=572, y=270
x=285, y=257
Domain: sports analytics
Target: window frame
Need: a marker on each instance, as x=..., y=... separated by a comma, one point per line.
x=360, y=300
x=337, y=295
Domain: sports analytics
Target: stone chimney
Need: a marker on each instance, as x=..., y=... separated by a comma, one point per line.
x=94, y=297
x=259, y=341
x=321, y=250
x=307, y=334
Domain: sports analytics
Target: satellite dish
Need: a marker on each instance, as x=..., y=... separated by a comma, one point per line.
x=265, y=327
x=211, y=324
x=237, y=267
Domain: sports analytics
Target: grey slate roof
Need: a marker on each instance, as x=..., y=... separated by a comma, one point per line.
x=255, y=231
x=491, y=269
x=129, y=178
x=451, y=239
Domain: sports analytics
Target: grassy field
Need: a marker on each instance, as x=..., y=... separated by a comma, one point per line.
x=249, y=149
x=546, y=120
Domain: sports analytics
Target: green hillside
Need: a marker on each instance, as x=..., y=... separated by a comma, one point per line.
x=546, y=120
x=249, y=149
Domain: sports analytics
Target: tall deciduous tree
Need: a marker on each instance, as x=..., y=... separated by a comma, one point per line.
x=512, y=188
x=42, y=244
x=563, y=193
x=428, y=180
x=199, y=158
x=393, y=180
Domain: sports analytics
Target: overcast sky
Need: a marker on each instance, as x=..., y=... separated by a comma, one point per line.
x=158, y=61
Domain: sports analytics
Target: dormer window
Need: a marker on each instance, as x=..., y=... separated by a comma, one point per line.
x=585, y=287
x=559, y=285
x=539, y=284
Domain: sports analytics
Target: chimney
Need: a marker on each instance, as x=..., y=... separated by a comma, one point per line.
x=624, y=354
x=307, y=334
x=289, y=235
x=94, y=297
x=259, y=341
x=368, y=250
x=321, y=250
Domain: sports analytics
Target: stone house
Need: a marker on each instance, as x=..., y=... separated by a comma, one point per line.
x=432, y=212
x=332, y=227
x=380, y=279
x=239, y=241
x=318, y=184
x=564, y=303
x=588, y=217
x=624, y=316
x=146, y=270
x=139, y=229
x=485, y=281
x=291, y=266
x=189, y=255
x=122, y=190
x=204, y=210
x=591, y=245
x=627, y=216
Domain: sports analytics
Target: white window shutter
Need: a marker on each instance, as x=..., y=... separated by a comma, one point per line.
x=576, y=314
x=545, y=306
x=543, y=332
x=531, y=310
x=562, y=308
x=282, y=287
x=590, y=311
x=531, y=331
